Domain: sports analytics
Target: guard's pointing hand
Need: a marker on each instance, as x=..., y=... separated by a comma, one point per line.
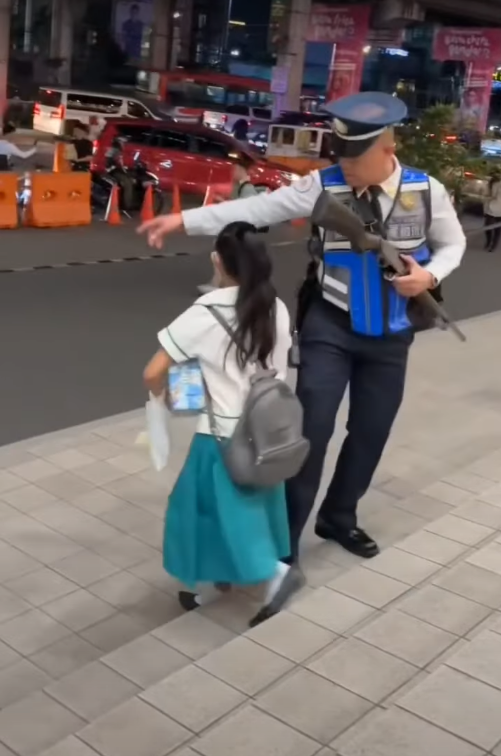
x=159, y=227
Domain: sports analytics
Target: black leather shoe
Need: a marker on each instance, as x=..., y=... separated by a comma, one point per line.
x=355, y=541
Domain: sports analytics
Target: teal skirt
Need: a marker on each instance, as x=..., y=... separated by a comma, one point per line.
x=216, y=532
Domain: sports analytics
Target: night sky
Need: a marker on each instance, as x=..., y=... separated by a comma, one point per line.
x=252, y=12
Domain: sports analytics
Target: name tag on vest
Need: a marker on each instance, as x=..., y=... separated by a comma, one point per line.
x=405, y=228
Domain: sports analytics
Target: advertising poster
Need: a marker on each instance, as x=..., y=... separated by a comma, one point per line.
x=480, y=51
x=132, y=27
x=346, y=27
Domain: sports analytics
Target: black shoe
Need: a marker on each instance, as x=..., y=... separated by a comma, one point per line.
x=292, y=582
x=356, y=541
x=188, y=601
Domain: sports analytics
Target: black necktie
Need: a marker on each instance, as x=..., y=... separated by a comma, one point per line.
x=374, y=193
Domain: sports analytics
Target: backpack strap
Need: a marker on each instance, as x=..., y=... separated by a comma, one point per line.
x=221, y=320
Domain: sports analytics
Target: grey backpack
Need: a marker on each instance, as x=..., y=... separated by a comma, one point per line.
x=267, y=446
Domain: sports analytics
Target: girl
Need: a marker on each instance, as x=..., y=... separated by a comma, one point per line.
x=492, y=211
x=217, y=534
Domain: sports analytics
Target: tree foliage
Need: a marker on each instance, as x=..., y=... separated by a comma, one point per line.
x=434, y=145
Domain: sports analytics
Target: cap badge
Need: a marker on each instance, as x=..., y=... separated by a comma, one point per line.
x=341, y=127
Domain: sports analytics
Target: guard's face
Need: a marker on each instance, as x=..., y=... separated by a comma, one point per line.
x=368, y=168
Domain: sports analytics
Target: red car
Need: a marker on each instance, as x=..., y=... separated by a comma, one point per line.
x=189, y=155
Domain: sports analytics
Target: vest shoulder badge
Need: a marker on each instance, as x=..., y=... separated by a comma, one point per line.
x=408, y=200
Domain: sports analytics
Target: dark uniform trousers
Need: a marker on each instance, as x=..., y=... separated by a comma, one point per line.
x=331, y=358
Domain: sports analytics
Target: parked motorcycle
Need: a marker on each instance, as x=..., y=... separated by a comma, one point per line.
x=142, y=178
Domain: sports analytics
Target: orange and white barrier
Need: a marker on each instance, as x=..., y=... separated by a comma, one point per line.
x=59, y=199
x=8, y=200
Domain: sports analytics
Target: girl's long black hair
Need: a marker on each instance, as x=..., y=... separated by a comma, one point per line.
x=245, y=259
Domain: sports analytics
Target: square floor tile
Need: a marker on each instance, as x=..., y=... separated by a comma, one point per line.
x=37, y=540
x=483, y=514
x=245, y=665
x=92, y=691
x=36, y=470
x=291, y=636
x=79, y=610
x=7, y=655
x=370, y=587
x=65, y=656
x=36, y=723
x=402, y=566
x=480, y=659
x=331, y=610
x=113, y=632
x=19, y=680
x=14, y=563
x=363, y=669
x=11, y=605
x=145, y=661
x=32, y=631
x=193, y=698
x=85, y=568
x=487, y=558
x=70, y=459
x=134, y=729
x=398, y=733
x=99, y=473
x=433, y=547
x=457, y=529
x=27, y=498
x=71, y=746
x=122, y=589
x=459, y=704
x=474, y=583
x=126, y=552
x=252, y=732
x=193, y=635
x=444, y=609
x=408, y=638
x=9, y=481
x=233, y=612
x=41, y=586
x=313, y=705
x=66, y=486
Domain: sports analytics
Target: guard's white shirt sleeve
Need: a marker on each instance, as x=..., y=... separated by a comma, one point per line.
x=446, y=236
x=11, y=150
x=286, y=203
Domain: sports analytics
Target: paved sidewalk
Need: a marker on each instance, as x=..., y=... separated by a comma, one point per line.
x=399, y=656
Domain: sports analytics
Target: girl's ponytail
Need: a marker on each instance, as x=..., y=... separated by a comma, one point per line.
x=245, y=258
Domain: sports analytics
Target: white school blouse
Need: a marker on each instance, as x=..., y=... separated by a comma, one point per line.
x=197, y=334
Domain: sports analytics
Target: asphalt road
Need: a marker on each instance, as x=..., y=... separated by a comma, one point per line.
x=75, y=339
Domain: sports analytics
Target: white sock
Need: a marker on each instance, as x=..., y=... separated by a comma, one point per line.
x=276, y=581
x=207, y=594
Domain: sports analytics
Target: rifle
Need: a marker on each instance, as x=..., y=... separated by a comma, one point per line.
x=333, y=215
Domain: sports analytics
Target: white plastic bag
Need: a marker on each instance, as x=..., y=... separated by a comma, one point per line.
x=157, y=430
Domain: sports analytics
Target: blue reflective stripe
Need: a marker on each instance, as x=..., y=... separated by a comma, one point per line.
x=365, y=290
x=333, y=176
x=397, y=311
x=411, y=176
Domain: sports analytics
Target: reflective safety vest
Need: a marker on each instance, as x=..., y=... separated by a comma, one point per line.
x=355, y=282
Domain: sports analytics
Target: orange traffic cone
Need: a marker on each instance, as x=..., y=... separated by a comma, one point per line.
x=60, y=165
x=113, y=216
x=147, y=212
x=176, y=200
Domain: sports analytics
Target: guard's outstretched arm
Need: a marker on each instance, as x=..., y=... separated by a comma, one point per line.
x=286, y=203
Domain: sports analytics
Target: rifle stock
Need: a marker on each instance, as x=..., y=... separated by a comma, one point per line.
x=333, y=215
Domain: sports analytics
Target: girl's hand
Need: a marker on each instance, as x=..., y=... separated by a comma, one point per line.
x=159, y=227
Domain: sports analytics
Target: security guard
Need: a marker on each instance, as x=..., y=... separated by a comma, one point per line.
x=357, y=329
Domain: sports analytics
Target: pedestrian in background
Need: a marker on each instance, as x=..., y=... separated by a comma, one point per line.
x=241, y=187
x=492, y=211
x=216, y=533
